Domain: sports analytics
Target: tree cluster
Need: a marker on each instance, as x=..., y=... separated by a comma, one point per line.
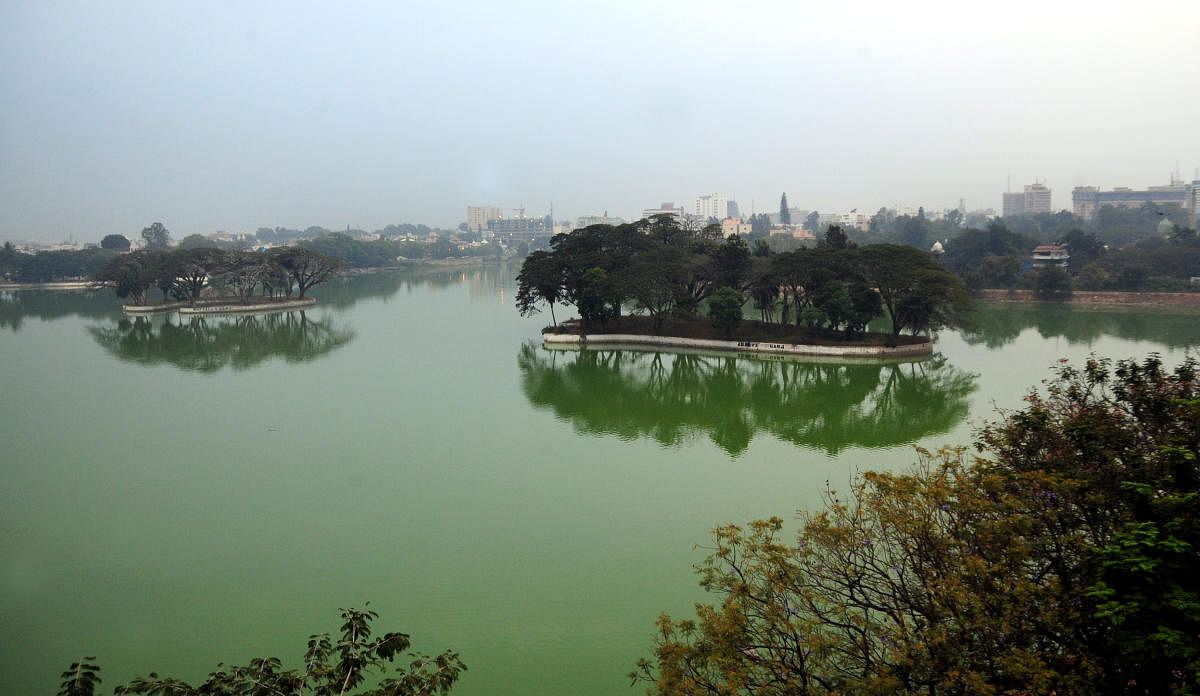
x=662, y=268
x=1063, y=561
x=185, y=274
x=330, y=669
x=50, y=266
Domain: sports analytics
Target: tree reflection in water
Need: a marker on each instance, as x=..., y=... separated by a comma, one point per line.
x=672, y=397
x=206, y=344
x=997, y=325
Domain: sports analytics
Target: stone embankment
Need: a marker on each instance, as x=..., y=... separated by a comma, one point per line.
x=223, y=306
x=918, y=349
x=61, y=285
x=1086, y=297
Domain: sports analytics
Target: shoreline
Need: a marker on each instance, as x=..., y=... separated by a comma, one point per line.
x=1105, y=299
x=745, y=347
x=221, y=306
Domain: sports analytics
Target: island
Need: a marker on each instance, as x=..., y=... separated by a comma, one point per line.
x=214, y=281
x=659, y=283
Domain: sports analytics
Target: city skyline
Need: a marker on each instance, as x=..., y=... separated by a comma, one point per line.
x=233, y=117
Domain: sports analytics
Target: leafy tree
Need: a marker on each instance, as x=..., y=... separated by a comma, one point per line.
x=725, y=309
x=1062, y=561
x=917, y=292
x=115, y=242
x=540, y=280
x=812, y=223
x=833, y=301
x=305, y=267
x=785, y=213
x=1052, y=283
x=968, y=250
x=1092, y=277
x=192, y=269
x=731, y=262
x=653, y=282
x=156, y=236
x=835, y=238
x=764, y=288
x=195, y=241
x=329, y=669
x=130, y=275
x=596, y=297
x=865, y=305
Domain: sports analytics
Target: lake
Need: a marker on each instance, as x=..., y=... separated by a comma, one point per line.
x=179, y=492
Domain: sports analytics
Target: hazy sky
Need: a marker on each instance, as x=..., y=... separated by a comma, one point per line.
x=234, y=115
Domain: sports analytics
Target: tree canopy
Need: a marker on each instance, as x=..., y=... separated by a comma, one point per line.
x=329, y=669
x=663, y=268
x=115, y=242
x=1061, y=560
x=185, y=274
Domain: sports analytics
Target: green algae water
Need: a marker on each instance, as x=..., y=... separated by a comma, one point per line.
x=178, y=492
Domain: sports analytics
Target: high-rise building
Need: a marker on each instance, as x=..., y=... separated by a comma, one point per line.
x=1014, y=204
x=479, y=217
x=1037, y=199
x=1033, y=200
x=1087, y=200
x=714, y=205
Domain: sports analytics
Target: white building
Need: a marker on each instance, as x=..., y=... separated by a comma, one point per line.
x=664, y=209
x=714, y=205
x=856, y=220
x=479, y=216
x=588, y=220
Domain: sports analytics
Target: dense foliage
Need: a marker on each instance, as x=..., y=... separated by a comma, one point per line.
x=50, y=266
x=1063, y=561
x=185, y=274
x=663, y=268
x=330, y=669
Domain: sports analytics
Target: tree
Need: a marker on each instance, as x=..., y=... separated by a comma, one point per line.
x=329, y=668
x=305, y=267
x=195, y=241
x=130, y=275
x=596, y=297
x=731, y=262
x=812, y=223
x=191, y=270
x=832, y=299
x=835, y=238
x=156, y=236
x=653, y=281
x=785, y=213
x=1052, y=283
x=1063, y=561
x=725, y=310
x=115, y=242
x=540, y=280
x=916, y=291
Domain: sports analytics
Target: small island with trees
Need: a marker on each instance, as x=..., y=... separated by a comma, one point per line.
x=687, y=287
x=196, y=280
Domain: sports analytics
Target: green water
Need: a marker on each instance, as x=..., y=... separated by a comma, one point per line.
x=179, y=492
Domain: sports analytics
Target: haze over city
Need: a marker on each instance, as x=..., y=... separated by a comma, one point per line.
x=233, y=116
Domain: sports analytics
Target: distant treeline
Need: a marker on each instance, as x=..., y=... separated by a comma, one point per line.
x=50, y=266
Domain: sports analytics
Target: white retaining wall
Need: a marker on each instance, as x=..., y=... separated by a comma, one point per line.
x=925, y=348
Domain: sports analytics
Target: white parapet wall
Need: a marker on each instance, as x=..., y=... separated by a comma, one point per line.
x=918, y=349
x=238, y=308
x=209, y=307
